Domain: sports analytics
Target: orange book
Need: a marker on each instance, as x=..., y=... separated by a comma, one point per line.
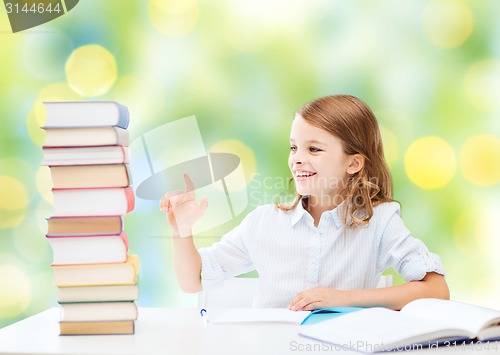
x=96, y=328
x=84, y=225
x=97, y=274
x=90, y=176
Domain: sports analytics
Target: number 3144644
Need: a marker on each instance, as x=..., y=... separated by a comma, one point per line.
x=38, y=8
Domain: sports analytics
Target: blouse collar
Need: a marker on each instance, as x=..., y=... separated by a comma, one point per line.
x=300, y=212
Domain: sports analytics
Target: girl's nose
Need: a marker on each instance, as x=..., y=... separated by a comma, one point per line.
x=296, y=158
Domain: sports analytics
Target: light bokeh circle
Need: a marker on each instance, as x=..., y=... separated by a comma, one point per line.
x=430, y=162
x=482, y=84
x=480, y=159
x=477, y=229
x=14, y=201
x=36, y=117
x=447, y=23
x=28, y=238
x=91, y=70
x=243, y=151
x=13, y=194
x=16, y=290
x=11, y=219
x=173, y=17
x=52, y=92
x=486, y=232
x=44, y=184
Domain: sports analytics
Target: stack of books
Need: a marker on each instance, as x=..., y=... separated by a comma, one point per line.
x=86, y=149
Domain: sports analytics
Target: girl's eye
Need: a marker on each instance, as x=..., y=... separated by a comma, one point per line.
x=314, y=150
x=293, y=149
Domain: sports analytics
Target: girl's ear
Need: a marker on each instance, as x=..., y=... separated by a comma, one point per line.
x=357, y=161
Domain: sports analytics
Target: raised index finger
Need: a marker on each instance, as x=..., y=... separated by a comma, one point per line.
x=189, y=183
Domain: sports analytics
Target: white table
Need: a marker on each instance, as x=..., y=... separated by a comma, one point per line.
x=167, y=331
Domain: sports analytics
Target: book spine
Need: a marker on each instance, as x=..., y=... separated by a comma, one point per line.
x=124, y=238
x=129, y=194
x=134, y=261
x=123, y=117
x=128, y=173
x=126, y=154
x=122, y=136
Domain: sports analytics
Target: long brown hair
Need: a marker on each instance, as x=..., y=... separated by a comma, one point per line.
x=352, y=121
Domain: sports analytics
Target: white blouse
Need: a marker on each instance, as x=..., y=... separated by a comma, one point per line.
x=292, y=255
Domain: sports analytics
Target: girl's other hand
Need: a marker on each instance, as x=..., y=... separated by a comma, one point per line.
x=181, y=208
x=319, y=297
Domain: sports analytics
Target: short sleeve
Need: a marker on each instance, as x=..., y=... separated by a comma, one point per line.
x=227, y=258
x=407, y=255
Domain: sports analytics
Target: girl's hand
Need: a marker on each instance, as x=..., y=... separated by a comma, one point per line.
x=181, y=208
x=320, y=297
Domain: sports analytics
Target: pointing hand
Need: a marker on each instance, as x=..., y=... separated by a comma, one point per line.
x=181, y=208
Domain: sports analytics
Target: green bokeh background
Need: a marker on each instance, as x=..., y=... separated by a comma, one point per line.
x=426, y=68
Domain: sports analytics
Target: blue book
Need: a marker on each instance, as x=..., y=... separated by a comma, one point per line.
x=80, y=114
x=322, y=314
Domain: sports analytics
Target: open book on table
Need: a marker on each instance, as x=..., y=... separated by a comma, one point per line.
x=279, y=315
x=425, y=321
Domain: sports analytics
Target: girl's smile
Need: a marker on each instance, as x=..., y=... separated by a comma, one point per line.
x=317, y=160
x=301, y=175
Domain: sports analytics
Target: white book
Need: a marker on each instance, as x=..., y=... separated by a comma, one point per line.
x=261, y=316
x=421, y=322
x=94, y=249
x=93, y=202
x=110, y=154
x=86, y=114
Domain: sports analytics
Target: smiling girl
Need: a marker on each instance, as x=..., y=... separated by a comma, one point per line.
x=330, y=246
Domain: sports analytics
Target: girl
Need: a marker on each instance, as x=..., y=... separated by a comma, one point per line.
x=330, y=246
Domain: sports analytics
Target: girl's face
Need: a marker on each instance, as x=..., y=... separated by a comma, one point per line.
x=317, y=161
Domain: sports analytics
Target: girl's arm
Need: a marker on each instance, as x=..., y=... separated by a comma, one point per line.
x=433, y=285
x=182, y=212
x=187, y=264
